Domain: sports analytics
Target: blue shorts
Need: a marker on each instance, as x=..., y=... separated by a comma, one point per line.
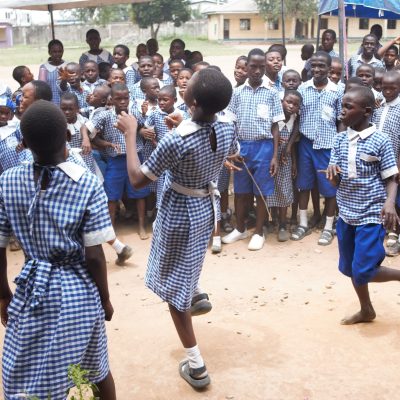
x=100, y=161
x=361, y=250
x=257, y=155
x=310, y=160
x=398, y=197
x=116, y=181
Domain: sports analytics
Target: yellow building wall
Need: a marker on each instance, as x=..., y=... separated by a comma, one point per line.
x=258, y=28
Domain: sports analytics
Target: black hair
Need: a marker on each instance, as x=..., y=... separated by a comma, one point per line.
x=370, y=35
x=44, y=128
x=201, y=63
x=185, y=69
x=176, y=60
x=365, y=96
x=179, y=41
x=392, y=74
x=356, y=80
x=293, y=93
x=68, y=96
x=54, y=42
x=18, y=73
x=331, y=32
x=291, y=71
x=215, y=67
x=146, y=57
x=255, y=52
x=337, y=60
x=104, y=70
x=124, y=48
x=42, y=90
x=370, y=67
x=117, y=69
x=105, y=89
x=92, y=32
x=187, y=53
x=73, y=64
x=308, y=47
x=169, y=90
x=212, y=90
x=241, y=58
x=394, y=48
x=118, y=87
x=324, y=54
x=280, y=48
x=94, y=63
x=273, y=51
x=376, y=29
x=160, y=55
x=146, y=81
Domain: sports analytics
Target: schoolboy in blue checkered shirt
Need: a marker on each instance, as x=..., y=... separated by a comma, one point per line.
x=364, y=169
x=318, y=126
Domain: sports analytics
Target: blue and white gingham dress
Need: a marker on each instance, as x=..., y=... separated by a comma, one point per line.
x=76, y=142
x=104, y=56
x=52, y=80
x=55, y=317
x=184, y=224
x=283, y=193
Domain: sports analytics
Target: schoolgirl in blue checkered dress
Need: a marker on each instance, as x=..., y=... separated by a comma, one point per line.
x=283, y=192
x=58, y=212
x=192, y=156
x=48, y=72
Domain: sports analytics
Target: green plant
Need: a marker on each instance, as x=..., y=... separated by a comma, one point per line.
x=79, y=378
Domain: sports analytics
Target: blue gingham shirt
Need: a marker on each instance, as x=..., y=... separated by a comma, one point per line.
x=80, y=93
x=104, y=122
x=319, y=113
x=104, y=56
x=52, y=80
x=366, y=159
x=136, y=93
x=356, y=61
x=256, y=110
x=387, y=120
x=131, y=76
x=89, y=87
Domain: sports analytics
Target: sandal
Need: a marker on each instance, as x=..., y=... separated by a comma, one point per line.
x=189, y=375
x=201, y=304
x=393, y=250
x=392, y=239
x=300, y=232
x=226, y=225
x=326, y=237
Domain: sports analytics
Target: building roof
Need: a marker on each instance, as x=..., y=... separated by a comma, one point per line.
x=235, y=7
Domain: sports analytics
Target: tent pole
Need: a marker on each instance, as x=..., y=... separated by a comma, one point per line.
x=318, y=31
x=342, y=17
x=283, y=27
x=50, y=8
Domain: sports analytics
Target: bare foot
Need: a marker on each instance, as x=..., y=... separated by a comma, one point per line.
x=143, y=234
x=367, y=315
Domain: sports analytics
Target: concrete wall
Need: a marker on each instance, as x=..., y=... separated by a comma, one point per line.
x=121, y=32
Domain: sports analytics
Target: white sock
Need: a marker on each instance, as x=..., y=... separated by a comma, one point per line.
x=303, y=218
x=149, y=213
x=197, y=291
x=118, y=246
x=329, y=223
x=194, y=356
x=216, y=240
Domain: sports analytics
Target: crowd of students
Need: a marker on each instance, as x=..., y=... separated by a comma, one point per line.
x=169, y=134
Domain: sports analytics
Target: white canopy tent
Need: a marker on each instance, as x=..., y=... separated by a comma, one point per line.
x=51, y=5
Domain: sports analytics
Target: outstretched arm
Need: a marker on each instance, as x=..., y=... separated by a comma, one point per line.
x=127, y=124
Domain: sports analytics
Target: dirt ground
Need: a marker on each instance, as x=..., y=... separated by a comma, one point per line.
x=273, y=333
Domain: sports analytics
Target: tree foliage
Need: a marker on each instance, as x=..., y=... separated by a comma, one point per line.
x=156, y=12
x=303, y=10
x=102, y=15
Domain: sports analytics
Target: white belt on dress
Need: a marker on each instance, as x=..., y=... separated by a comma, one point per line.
x=212, y=191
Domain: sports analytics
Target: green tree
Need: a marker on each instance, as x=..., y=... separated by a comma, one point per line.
x=302, y=10
x=156, y=12
x=102, y=15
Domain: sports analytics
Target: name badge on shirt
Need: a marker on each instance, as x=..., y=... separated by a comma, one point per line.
x=263, y=111
x=327, y=113
x=11, y=142
x=369, y=157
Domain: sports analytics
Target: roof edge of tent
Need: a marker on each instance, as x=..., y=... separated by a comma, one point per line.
x=44, y=5
x=329, y=6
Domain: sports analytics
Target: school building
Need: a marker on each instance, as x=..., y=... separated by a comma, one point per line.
x=240, y=20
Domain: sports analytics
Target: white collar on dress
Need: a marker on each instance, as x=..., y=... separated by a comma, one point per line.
x=74, y=171
x=264, y=83
x=80, y=120
x=289, y=124
x=187, y=127
x=362, y=134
